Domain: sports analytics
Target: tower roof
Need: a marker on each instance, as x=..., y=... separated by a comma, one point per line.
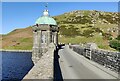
x=46, y=19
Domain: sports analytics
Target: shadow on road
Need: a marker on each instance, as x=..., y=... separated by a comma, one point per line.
x=57, y=70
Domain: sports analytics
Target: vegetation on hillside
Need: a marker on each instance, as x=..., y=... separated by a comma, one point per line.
x=76, y=27
x=115, y=43
x=18, y=39
x=88, y=26
x=83, y=17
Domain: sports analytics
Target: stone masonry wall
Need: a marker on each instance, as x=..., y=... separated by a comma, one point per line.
x=108, y=59
x=43, y=69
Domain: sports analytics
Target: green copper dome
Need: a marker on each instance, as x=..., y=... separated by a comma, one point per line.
x=46, y=20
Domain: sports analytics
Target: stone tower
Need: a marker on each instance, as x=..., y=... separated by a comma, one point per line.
x=45, y=32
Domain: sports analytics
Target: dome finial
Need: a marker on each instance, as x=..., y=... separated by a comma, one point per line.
x=46, y=13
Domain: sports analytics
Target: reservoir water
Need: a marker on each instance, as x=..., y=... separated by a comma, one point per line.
x=15, y=65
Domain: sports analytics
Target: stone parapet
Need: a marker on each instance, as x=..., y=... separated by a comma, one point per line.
x=108, y=59
x=43, y=69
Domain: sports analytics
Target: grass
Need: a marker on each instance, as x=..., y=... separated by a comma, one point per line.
x=21, y=44
x=24, y=40
x=80, y=39
x=19, y=39
x=102, y=44
x=26, y=47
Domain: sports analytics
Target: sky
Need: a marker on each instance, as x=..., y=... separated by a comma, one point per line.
x=60, y=0
x=23, y=14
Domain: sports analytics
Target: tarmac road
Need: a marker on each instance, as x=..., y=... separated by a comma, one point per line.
x=74, y=66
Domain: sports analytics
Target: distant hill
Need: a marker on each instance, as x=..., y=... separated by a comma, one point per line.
x=18, y=39
x=85, y=16
x=76, y=27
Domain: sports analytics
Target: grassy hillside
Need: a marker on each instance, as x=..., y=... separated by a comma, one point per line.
x=75, y=27
x=18, y=39
x=88, y=26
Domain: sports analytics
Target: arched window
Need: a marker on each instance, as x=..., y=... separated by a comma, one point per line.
x=44, y=37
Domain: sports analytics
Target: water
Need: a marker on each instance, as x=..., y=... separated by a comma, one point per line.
x=15, y=65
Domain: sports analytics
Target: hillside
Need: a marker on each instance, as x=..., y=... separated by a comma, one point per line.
x=75, y=27
x=85, y=16
x=18, y=39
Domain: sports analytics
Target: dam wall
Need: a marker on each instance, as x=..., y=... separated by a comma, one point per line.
x=43, y=69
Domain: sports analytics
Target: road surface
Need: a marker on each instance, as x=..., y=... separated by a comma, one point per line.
x=75, y=66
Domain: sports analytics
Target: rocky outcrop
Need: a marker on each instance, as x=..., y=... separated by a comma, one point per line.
x=87, y=16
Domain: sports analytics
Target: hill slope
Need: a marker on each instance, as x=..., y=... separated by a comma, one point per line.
x=18, y=39
x=75, y=27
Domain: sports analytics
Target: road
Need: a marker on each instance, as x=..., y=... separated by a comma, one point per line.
x=75, y=66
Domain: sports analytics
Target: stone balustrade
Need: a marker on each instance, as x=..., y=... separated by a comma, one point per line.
x=108, y=59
